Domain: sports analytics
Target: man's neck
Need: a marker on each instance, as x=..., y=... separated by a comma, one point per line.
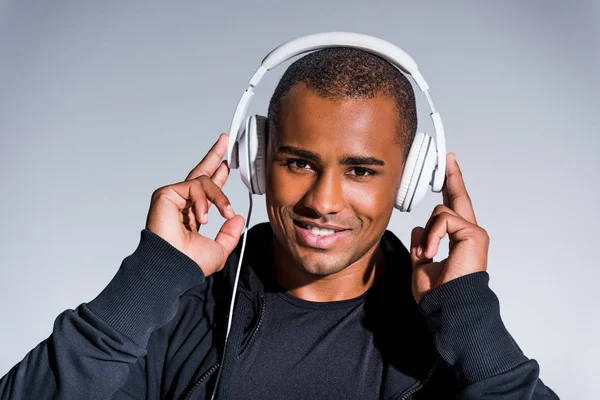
x=350, y=282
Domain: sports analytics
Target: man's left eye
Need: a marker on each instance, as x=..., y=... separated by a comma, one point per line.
x=359, y=171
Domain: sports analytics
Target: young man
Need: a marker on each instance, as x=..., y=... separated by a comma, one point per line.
x=330, y=304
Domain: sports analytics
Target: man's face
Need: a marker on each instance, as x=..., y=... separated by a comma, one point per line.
x=333, y=170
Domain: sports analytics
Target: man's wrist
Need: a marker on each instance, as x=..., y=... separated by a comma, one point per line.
x=464, y=315
x=144, y=293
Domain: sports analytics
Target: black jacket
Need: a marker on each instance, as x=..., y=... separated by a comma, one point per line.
x=157, y=331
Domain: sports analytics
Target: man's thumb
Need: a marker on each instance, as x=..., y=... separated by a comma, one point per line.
x=230, y=232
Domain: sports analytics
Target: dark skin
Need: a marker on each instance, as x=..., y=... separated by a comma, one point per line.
x=332, y=162
x=335, y=162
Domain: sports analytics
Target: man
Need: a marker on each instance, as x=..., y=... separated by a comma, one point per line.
x=330, y=304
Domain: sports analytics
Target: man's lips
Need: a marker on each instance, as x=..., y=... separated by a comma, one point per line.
x=310, y=224
x=308, y=238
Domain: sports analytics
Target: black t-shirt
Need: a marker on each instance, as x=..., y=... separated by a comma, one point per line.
x=309, y=350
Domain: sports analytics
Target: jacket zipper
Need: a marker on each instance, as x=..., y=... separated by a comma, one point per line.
x=260, y=318
x=421, y=385
x=186, y=395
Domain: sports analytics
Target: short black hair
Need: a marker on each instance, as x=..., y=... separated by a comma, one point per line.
x=342, y=72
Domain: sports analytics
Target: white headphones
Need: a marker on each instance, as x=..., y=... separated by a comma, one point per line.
x=426, y=162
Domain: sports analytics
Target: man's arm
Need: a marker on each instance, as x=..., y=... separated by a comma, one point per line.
x=90, y=350
x=461, y=309
x=470, y=337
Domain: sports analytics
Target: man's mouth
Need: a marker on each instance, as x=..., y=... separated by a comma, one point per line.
x=319, y=235
x=319, y=229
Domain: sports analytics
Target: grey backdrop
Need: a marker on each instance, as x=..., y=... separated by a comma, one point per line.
x=103, y=102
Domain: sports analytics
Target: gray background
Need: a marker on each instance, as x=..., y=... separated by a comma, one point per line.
x=103, y=102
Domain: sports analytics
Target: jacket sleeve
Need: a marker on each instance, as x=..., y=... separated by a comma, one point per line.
x=91, y=348
x=470, y=336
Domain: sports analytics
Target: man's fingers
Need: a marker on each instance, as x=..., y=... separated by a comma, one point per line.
x=456, y=196
x=200, y=203
x=192, y=194
x=197, y=194
x=434, y=236
x=211, y=160
x=221, y=174
x=446, y=195
x=439, y=209
x=215, y=195
x=416, y=249
x=434, y=231
x=230, y=232
x=444, y=223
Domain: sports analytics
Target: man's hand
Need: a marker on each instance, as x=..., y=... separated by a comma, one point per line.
x=468, y=242
x=178, y=210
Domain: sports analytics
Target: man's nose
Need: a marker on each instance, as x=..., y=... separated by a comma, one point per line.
x=326, y=194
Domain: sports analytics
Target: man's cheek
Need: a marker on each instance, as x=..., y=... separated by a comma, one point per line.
x=286, y=189
x=374, y=208
x=371, y=200
x=276, y=189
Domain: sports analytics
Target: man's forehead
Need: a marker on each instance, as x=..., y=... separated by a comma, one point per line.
x=356, y=124
x=301, y=100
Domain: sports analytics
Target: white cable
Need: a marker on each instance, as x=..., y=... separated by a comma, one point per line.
x=235, y=286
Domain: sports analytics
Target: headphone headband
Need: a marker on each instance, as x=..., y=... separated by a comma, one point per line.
x=319, y=41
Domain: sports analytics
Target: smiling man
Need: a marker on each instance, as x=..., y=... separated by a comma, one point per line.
x=334, y=168
x=330, y=304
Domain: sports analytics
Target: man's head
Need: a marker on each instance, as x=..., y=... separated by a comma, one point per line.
x=341, y=122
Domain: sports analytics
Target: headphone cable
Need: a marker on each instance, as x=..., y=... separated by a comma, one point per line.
x=233, y=294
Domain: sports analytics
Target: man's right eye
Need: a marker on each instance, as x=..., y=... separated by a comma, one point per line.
x=298, y=164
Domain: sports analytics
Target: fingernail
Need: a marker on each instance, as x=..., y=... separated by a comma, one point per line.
x=419, y=251
x=229, y=209
x=205, y=218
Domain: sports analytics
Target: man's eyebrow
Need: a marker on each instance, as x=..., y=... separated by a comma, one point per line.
x=295, y=151
x=346, y=160
x=357, y=160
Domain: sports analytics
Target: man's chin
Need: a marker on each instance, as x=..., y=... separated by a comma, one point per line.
x=320, y=263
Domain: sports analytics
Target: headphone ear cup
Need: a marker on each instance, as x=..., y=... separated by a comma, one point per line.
x=260, y=134
x=243, y=149
x=417, y=174
x=251, y=153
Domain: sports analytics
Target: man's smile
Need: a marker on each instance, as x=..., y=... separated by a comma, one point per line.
x=319, y=236
x=317, y=228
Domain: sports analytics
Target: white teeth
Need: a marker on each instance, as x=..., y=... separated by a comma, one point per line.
x=320, y=232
